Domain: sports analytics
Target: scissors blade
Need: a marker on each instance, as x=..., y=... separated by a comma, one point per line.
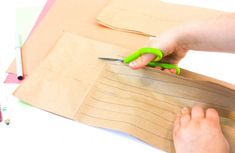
x=110, y=59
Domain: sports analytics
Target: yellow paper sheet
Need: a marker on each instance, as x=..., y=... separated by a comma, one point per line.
x=150, y=17
x=73, y=83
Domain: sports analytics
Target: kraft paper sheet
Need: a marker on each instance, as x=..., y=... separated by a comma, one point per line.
x=79, y=17
x=73, y=83
x=75, y=16
x=150, y=17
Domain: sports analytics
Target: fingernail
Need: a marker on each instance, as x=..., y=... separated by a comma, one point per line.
x=178, y=115
x=173, y=71
x=166, y=70
x=184, y=110
x=158, y=67
x=132, y=64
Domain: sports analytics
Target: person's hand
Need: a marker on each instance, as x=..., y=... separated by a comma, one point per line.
x=170, y=43
x=196, y=35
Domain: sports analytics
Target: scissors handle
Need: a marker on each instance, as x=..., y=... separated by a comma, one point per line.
x=157, y=52
x=159, y=55
x=164, y=65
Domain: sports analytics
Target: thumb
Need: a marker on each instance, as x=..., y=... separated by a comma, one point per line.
x=142, y=61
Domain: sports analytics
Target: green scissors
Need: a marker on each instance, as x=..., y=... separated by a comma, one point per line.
x=157, y=52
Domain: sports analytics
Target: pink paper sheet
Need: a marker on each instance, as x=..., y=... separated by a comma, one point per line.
x=43, y=13
x=12, y=78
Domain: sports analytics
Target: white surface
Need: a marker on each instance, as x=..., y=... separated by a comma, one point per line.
x=36, y=131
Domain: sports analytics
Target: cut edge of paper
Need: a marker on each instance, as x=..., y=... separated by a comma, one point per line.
x=116, y=19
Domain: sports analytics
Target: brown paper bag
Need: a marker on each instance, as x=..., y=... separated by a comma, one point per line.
x=73, y=83
x=150, y=17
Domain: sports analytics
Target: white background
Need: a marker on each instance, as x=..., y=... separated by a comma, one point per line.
x=36, y=131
